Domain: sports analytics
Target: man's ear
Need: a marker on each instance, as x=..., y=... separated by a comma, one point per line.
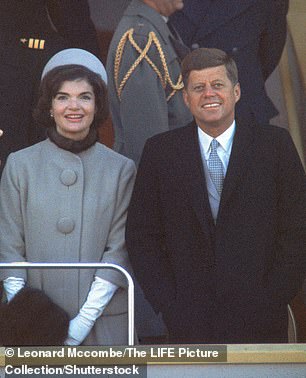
x=185, y=97
x=237, y=92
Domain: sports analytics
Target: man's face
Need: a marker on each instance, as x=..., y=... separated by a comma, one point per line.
x=166, y=7
x=211, y=98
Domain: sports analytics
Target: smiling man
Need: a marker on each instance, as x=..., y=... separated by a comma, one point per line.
x=211, y=96
x=216, y=230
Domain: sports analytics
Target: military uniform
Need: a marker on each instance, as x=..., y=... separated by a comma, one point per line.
x=143, y=67
x=27, y=41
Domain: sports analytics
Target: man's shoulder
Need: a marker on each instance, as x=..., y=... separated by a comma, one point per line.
x=142, y=18
x=263, y=131
x=164, y=151
x=139, y=17
x=168, y=140
x=134, y=28
x=269, y=139
x=272, y=133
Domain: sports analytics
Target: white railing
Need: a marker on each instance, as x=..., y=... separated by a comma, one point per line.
x=27, y=265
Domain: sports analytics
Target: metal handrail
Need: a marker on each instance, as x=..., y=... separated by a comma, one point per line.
x=27, y=265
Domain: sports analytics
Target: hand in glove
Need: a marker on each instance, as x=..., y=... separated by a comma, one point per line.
x=101, y=292
x=79, y=328
x=12, y=285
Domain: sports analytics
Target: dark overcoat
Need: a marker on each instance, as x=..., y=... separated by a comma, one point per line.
x=253, y=32
x=230, y=282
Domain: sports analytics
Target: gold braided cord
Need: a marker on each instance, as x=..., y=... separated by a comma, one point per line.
x=143, y=54
x=171, y=95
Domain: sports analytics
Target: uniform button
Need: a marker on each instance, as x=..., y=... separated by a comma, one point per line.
x=1, y=132
x=235, y=50
x=195, y=46
x=65, y=225
x=68, y=177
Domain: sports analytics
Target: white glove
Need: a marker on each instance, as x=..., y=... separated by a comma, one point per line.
x=79, y=328
x=12, y=285
x=101, y=292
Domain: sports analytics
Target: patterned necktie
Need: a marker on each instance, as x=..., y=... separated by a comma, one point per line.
x=215, y=166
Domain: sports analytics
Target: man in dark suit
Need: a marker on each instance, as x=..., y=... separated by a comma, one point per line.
x=30, y=33
x=253, y=32
x=216, y=228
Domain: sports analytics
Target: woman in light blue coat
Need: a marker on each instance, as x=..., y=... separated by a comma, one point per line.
x=65, y=200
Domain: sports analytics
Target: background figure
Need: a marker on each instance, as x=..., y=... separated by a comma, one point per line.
x=23, y=320
x=253, y=32
x=27, y=40
x=143, y=67
x=145, y=90
x=216, y=232
x=65, y=200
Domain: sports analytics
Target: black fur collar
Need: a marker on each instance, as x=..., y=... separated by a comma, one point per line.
x=75, y=146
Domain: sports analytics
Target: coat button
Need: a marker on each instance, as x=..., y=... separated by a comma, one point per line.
x=1, y=132
x=68, y=177
x=235, y=50
x=65, y=225
x=195, y=46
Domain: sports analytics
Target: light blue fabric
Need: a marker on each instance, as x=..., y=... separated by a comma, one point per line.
x=215, y=166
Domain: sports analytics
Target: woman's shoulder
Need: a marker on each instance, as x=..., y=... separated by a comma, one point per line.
x=112, y=155
x=22, y=162
x=26, y=153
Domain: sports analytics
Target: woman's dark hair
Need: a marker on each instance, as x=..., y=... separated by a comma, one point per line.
x=51, y=84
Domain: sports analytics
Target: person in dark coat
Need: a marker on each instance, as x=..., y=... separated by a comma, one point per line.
x=253, y=32
x=216, y=229
x=32, y=318
x=28, y=38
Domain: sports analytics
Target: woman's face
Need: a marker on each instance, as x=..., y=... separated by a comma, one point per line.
x=73, y=108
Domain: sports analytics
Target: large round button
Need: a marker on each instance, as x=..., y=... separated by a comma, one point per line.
x=65, y=225
x=1, y=132
x=68, y=177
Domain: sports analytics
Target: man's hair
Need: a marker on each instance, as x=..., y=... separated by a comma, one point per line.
x=53, y=81
x=202, y=58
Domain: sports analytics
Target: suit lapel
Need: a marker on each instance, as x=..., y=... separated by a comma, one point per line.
x=240, y=160
x=191, y=169
x=192, y=172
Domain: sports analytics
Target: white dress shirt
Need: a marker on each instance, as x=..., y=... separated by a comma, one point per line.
x=225, y=145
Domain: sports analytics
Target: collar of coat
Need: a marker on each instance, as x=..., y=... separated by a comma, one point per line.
x=74, y=146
